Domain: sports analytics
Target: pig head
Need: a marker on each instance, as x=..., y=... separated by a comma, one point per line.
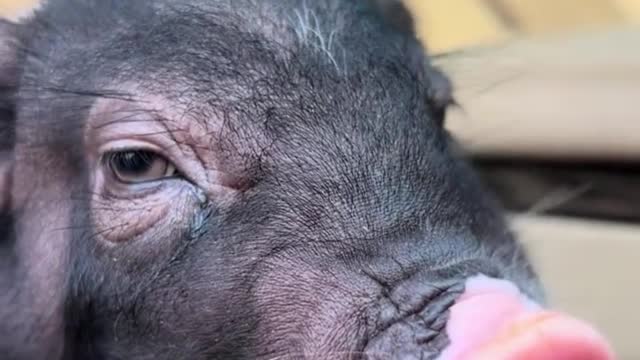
x=246, y=180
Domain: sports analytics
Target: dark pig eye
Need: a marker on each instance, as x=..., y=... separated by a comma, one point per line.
x=138, y=166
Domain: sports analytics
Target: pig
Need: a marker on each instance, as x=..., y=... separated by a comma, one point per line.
x=249, y=179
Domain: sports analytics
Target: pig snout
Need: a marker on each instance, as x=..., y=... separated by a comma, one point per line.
x=493, y=320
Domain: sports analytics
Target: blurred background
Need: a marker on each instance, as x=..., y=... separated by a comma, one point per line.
x=549, y=93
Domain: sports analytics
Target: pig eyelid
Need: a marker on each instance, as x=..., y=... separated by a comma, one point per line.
x=129, y=145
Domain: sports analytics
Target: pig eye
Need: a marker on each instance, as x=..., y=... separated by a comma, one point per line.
x=139, y=166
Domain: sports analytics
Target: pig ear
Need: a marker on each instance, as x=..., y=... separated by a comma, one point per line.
x=439, y=88
x=9, y=74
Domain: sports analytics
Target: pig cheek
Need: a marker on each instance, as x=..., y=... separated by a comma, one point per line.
x=309, y=312
x=124, y=220
x=43, y=233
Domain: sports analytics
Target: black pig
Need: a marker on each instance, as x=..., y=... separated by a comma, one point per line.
x=241, y=179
